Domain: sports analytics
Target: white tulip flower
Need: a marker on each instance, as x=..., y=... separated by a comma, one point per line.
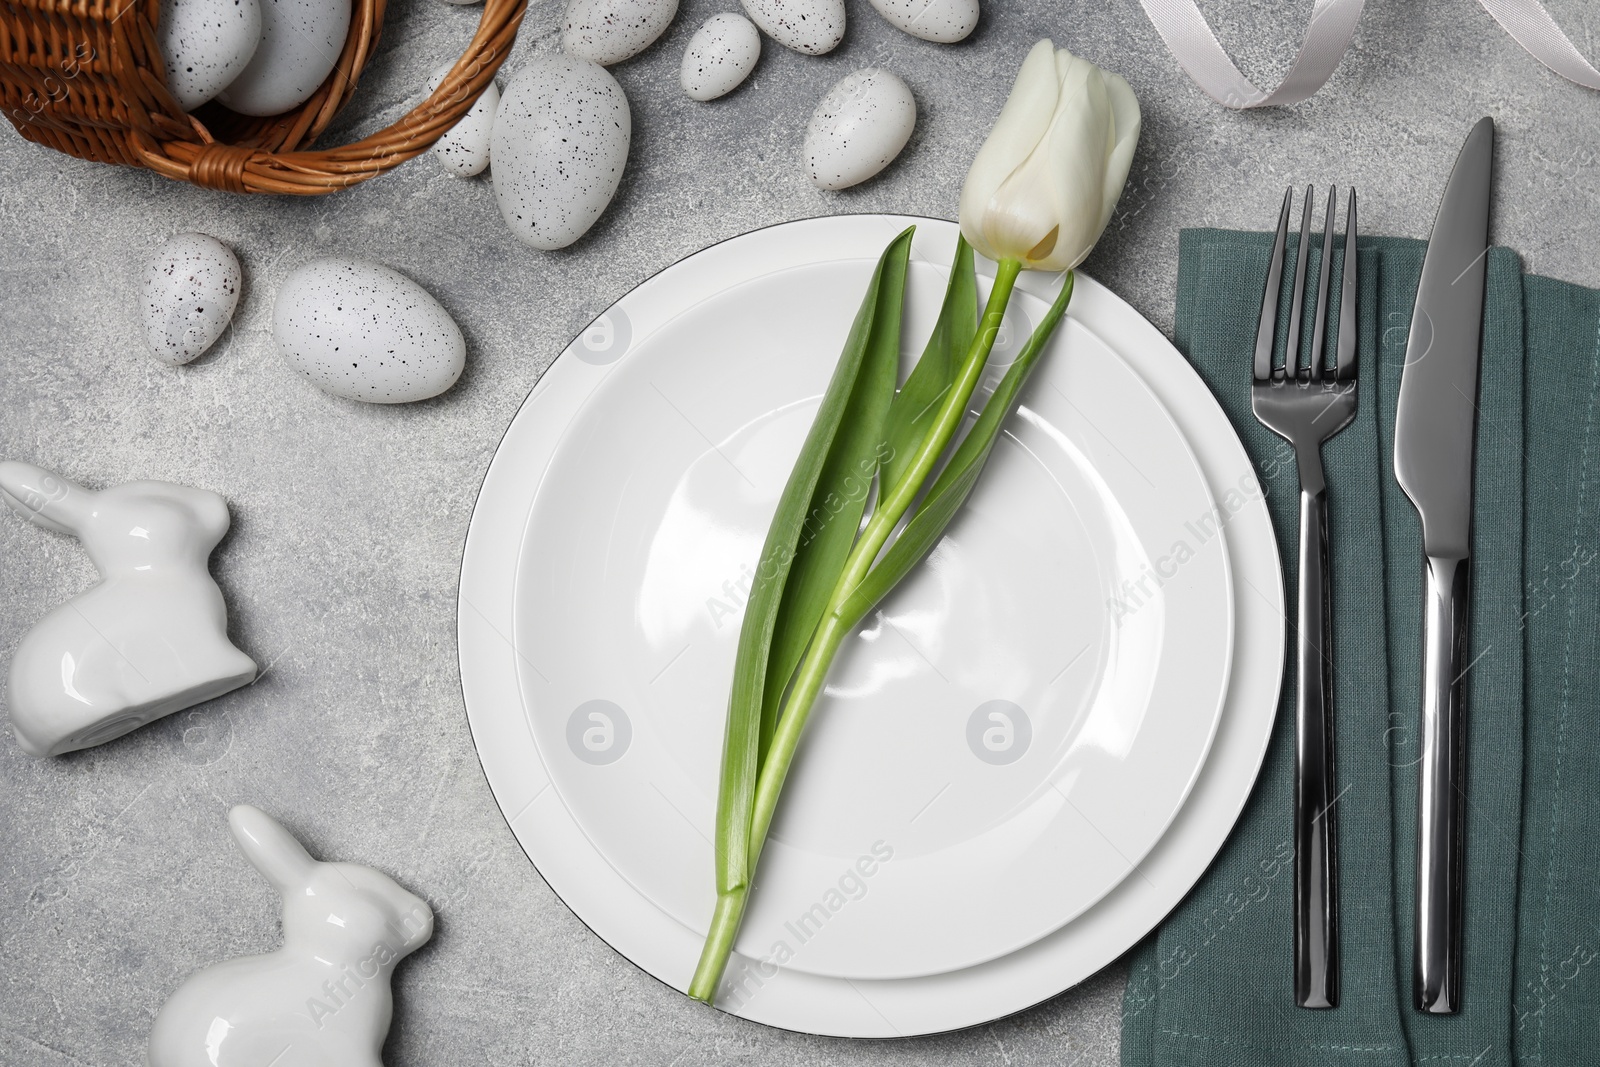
x=1043, y=186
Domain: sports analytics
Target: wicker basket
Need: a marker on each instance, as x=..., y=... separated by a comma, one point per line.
x=86, y=77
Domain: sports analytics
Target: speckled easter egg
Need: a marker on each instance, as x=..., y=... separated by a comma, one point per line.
x=559, y=146
x=464, y=149
x=609, y=31
x=943, y=21
x=206, y=43
x=859, y=127
x=721, y=54
x=300, y=43
x=809, y=26
x=362, y=331
x=191, y=287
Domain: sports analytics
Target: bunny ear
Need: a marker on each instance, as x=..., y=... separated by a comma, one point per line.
x=44, y=497
x=270, y=848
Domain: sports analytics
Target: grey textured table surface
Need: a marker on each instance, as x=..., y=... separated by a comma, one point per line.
x=117, y=874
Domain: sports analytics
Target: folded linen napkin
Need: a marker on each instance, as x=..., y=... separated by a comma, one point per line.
x=1214, y=985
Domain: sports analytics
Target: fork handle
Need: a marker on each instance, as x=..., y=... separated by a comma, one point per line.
x=1440, y=815
x=1316, y=930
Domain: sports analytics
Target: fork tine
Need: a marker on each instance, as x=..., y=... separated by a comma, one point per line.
x=1320, y=322
x=1267, y=325
x=1345, y=369
x=1291, y=346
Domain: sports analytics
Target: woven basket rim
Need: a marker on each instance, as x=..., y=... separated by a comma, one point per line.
x=87, y=77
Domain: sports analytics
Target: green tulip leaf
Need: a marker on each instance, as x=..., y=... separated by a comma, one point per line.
x=839, y=497
x=795, y=558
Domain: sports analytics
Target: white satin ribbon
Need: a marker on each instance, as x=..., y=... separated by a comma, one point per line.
x=1531, y=26
x=1333, y=23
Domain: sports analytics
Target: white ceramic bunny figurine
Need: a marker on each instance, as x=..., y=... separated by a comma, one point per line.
x=150, y=639
x=323, y=999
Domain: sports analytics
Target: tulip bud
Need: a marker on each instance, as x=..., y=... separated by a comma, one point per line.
x=1043, y=186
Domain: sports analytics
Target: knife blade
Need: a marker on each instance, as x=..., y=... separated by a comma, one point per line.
x=1435, y=425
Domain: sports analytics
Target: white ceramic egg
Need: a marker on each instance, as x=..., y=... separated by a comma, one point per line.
x=859, y=127
x=300, y=43
x=809, y=26
x=559, y=146
x=206, y=44
x=464, y=149
x=943, y=21
x=721, y=54
x=362, y=331
x=609, y=31
x=191, y=287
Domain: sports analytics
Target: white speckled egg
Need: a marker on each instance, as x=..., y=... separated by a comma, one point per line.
x=206, y=44
x=464, y=149
x=943, y=21
x=609, y=31
x=859, y=127
x=190, y=290
x=362, y=331
x=300, y=43
x=809, y=26
x=559, y=146
x=721, y=54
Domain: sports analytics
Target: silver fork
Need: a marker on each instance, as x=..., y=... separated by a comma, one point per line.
x=1306, y=406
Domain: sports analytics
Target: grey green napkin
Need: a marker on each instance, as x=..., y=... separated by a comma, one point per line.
x=1214, y=985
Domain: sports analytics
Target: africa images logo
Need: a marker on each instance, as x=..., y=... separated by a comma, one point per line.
x=746, y=977
x=999, y=732
x=605, y=339
x=1135, y=593
x=598, y=732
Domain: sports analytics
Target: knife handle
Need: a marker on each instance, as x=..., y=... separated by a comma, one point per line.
x=1316, y=901
x=1441, y=790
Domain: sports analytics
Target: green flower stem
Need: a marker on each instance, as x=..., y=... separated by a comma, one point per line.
x=836, y=625
x=726, y=919
x=719, y=943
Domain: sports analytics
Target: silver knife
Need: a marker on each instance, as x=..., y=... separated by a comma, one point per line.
x=1433, y=445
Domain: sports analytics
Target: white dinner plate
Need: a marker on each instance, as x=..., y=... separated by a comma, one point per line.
x=1007, y=738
